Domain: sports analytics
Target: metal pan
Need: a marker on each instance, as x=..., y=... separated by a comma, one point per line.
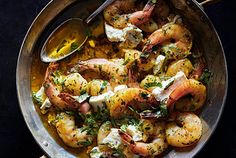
x=58, y=10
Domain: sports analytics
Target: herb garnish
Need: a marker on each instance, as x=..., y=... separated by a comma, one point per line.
x=205, y=77
x=152, y=84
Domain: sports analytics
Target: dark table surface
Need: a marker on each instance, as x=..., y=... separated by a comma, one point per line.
x=15, y=138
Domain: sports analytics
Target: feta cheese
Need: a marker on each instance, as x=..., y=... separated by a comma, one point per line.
x=158, y=64
x=132, y=35
x=45, y=106
x=129, y=37
x=98, y=101
x=120, y=87
x=113, y=140
x=114, y=34
x=96, y=153
x=164, y=92
x=134, y=132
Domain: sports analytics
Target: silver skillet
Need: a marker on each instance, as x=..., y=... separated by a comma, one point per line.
x=59, y=10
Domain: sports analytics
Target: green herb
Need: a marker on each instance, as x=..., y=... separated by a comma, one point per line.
x=145, y=55
x=36, y=98
x=205, y=77
x=124, y=127
x=144, y=95
x=152, y=84
x=58, y=78
x=85, y=143
x=83, y=91
x=163, y=110
x=103, y=86
x=154, y=48
x=126, y=61
x=132, y=109
x=73, y=46
x=93, y=121
x=118, y=153
x=71, y=113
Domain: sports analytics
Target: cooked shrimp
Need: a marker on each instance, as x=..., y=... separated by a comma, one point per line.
x=97, y=87
x=183, y=65
x=75, y=84
x=177, y=50
x=51, y=90
x=70, y=133
x=192, y=87
x=113, y=69
x=188, y=133
x=136, y=98
x=116, y=14
x=155, y=147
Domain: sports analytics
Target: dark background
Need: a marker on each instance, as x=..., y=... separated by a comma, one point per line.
x=15, y=138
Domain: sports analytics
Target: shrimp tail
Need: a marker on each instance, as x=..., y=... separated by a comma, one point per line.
x=50, y=70
x=127, y=139
x=144, y=15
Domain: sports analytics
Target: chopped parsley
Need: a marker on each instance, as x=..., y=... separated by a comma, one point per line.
x=152, y=84
x=205, y=77
x=103, y=86
x=93, y=121
x=85, y=143
x=37, y=99
x=144, y=95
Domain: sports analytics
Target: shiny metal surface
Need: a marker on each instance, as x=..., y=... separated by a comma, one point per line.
x=57, y=10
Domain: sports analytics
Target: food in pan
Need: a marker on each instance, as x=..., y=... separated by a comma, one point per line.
x=133, y=90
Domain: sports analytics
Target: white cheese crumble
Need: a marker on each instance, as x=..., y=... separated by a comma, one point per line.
x=130, y=36
x=98, y=101
x=113, y=140
x=114, y=34
x=168, y=86
x=45, y=106
x=158, y=64
x=134, y=132
x=120, y=87
x=96, y=153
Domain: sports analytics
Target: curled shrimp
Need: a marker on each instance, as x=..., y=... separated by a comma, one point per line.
x=112, y=69
x=115, y=14
x=70, y=134
x=188, y=133
x=136, y=98
x=193, y=87
x=177, y=50
x=147, y=149
x=51, y=90
x=58, y=99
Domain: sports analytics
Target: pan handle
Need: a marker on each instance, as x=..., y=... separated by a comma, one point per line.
x=206, y=2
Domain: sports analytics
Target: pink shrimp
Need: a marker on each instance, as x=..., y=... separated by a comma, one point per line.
x=115, y=14
x=177, y=50
x=190, y=86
